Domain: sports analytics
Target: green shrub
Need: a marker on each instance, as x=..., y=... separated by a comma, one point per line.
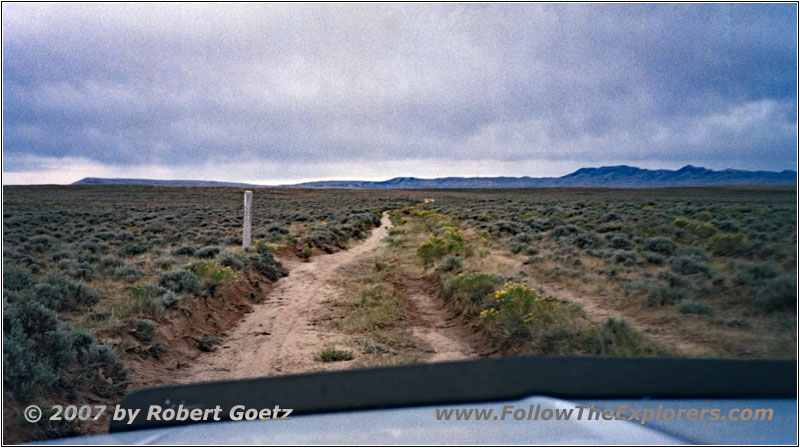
x=689, y=266
x=169, y=300
x=778, y=294
x=587, y=241
x=516, y=307
x=306, y=253
x=681, y=223
x=180, y=281
x=450, y=263
x=211, y=274
x=65, y=294
x=232, y=260
x=263, y=246
x=660, y=295
x=43, y=243
x=208, y=251
x=24, y=376
x=166, y=262
x=674, y=280
x=39, y=352
x=144, y=330
x=265, y=264
x=140, y=301
x=617, y=241
x=207, y=342
x=16, y=278
x=433, y=249
x=184, y=251
x=753, y=274
x=564, y=231
x=447, y=241
x=49, y=296
x=108, y=263
x=660, y=245
x=472, y=291
x=694, y=307
x=133, y=249
x=727, y=243
x=77, y=270
x=615, y=337
x=333, y=355
x=702, y=229
x=127, y=273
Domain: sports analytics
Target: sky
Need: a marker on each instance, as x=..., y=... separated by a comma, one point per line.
x=282, y=93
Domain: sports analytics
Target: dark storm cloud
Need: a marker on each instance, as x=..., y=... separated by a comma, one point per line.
x=180, y=85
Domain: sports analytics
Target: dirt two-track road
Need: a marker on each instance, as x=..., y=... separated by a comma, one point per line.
x=280, y=336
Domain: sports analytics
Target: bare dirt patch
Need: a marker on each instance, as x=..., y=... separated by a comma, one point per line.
x=439, y=331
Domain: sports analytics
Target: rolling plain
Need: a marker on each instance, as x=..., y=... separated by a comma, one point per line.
x=107, y=289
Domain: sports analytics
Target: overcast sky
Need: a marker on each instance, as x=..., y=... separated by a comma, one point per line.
x=270, y=93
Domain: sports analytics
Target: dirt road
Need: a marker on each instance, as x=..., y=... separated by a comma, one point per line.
x=436, y=329
x=278, y=337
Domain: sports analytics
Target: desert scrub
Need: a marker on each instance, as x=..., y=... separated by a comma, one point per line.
x=134, y=249
x=127, y=273
x=516, y=307
x=142, y=300
x=615, y=337
x=263, y=246
x=305, y=253
x=687, y=265
x=472, y=291
x=61, y=294
x=43, y=355
x=207, y=342
x=450, y=264
x=232, y=260
x=208, y=251
x=755, y=274
x=168, y=300
x=165, y=262
x=79, y=270
x=180, y=281
x=212, y=275
x=332, y=354
x=184, y=251
x=42, y=243
x=700, y=228
x=110, y=263
x=728, y=244
x=447, y=241
x=777, y=294
x=694, y=307
x=143, y=330
x=658, y=294
x=265, y=264
x=16, y=278
x=619, y=241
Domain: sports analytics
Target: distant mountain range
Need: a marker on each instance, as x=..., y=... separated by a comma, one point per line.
x=161, y=183
x=621, y=176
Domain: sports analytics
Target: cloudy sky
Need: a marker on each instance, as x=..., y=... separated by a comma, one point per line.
x=272, y=93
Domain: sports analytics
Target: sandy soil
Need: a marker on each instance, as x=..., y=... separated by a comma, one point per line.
x=438, y=331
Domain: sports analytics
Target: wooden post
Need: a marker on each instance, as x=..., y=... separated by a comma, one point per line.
x=248, y=205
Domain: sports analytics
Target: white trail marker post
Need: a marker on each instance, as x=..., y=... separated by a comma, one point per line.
x=248, y=205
